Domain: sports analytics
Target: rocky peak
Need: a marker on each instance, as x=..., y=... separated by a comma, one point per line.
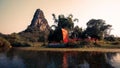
x=39, y=21
x=38, y=30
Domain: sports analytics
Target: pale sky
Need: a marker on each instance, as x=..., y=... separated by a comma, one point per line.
x=16, y=15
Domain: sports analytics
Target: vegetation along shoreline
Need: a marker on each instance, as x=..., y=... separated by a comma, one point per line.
x=62, y=33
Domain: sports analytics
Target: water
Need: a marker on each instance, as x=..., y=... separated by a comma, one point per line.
x=38, y=59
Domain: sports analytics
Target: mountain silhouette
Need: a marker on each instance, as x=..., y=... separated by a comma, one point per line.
x=38, y=22
x=38, y=30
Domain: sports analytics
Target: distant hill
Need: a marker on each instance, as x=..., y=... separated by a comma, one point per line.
x=36, y=32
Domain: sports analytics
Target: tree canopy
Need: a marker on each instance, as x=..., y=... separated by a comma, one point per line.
x=97, y=28
x=65, y=22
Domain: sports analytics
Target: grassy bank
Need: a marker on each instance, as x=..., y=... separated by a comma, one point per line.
x=67, y=49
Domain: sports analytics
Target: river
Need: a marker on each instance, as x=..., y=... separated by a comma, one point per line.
x=52, y=59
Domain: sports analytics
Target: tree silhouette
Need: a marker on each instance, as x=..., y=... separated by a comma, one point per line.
x=62, y=22
x=97, y=28
x=77, y=32
x=65, y=22
x=54, y=17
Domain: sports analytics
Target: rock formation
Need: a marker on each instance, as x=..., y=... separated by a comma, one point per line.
x=39, y=21
x=38, y=30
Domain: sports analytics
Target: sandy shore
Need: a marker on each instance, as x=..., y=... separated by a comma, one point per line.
x=67, y=49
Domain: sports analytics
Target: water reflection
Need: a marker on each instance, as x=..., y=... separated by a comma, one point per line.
x=6, y=62
x=38, y=59
x=113, y=59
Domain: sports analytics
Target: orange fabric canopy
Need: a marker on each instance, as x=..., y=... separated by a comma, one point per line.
x=65, y=35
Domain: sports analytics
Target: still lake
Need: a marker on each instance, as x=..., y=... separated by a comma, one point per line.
x=52, y=59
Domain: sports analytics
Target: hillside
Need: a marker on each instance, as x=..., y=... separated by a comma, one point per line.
x=36, y=32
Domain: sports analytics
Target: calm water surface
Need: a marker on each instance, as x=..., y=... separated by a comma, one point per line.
x=38, y=59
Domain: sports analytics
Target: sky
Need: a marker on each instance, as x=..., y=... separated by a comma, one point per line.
x=16, y=15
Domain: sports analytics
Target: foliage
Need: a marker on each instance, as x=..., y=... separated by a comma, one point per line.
x=77, y=32
x=34, y=35
x=55, y=35
x=96, y=28
x=4, y=44
x=16, y=40
x=86, y=43
x=110, y=38
x=62, y=22
x=65, y=22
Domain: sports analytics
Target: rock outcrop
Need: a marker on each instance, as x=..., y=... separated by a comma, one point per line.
x=39, y=22
x=38, y=30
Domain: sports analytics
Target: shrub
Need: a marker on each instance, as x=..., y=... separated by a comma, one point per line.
x=4, y=44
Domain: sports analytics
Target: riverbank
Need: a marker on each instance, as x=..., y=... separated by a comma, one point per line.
x=68, y=49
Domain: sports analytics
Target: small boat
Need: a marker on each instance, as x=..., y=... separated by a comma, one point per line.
x=56, y=45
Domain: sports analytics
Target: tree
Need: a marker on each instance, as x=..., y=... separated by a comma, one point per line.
x=77, y=32
x=96, y=28
x=4, y=44
x=55, y=35
x=65, y=22
x=55, y=19
x=62, y=22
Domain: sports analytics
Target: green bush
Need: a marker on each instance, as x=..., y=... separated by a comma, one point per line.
x=4, y=44
x=21, y=44
x=17, y=41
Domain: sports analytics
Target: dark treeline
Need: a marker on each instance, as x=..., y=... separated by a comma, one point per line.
x=97, y=30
